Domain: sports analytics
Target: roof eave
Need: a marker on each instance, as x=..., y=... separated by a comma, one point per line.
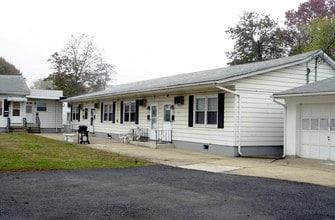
x=265, y=70
x=303, y=94
x=137, y=91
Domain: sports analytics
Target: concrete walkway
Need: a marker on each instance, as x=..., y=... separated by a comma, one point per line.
x=293, y=169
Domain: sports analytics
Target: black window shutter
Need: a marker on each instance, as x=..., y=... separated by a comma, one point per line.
x=113, y=112
x=6, y=108
x=221, y=110
x=190, y=110
x=121, y=112
x=102, y=112
x=79, y=112
x=137, y=112
x=71, y=114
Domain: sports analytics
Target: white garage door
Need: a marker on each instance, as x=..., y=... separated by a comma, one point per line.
x=317, y=134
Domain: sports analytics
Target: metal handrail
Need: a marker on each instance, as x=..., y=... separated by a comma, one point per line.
x=24, y=122
x=140, y=134
x=38, y=121
x=8, y=124
x=163, y=136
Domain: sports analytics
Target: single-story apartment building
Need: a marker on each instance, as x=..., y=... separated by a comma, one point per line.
x=310, y=120
x=227, y=111
x=39, y=110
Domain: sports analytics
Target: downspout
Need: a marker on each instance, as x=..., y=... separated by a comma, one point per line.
x=239, y=116
x=316, y=69
x=285, y=124
x=56, y=119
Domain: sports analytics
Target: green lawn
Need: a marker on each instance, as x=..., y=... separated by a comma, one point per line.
x=25, y=152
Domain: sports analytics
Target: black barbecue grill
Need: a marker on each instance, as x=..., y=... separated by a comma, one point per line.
x=83, y=135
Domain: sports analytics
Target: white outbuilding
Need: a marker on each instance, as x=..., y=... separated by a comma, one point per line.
x=310, y=120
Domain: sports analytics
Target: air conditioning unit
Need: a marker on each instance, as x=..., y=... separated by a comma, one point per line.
x=142, y=102
x=179, y=100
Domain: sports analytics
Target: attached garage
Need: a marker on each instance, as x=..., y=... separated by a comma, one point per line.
x=317, y=131
x=310, y=120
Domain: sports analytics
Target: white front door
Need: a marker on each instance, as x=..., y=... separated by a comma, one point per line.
x=30, y=114
x=167, y=117
x=153, y=121
x=91, y=128
x=15, y=113
x=166, y=133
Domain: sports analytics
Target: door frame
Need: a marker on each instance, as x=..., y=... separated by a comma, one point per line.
x=152, y=133
x=16, y=119
x=92, y=119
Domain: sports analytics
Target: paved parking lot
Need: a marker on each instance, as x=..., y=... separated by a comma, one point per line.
x=293, y=169
x=159, y=192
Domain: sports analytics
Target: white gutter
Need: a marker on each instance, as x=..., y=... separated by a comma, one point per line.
x=239, y=116
x=285, y=125
x=304, y=94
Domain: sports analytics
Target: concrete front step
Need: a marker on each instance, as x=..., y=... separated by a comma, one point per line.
x=17, y=129
x=152, y=144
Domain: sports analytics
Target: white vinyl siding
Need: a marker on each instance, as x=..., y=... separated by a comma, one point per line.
x=262, y=119
x=52, y=118
x=202, y=134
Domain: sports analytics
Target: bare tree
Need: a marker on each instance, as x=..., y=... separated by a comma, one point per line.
x=80, y=67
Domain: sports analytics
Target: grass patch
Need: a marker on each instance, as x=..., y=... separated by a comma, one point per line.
x=25, y=152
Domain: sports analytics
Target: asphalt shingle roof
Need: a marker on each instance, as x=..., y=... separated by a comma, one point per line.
x=326, y=86
x=219, y=75
x=13, y=85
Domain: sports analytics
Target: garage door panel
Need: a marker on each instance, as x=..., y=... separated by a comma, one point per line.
x=324, y=153
x=305, y=137
x=305, y=151
x=315, y=151
x=314, y=140
x=323, y=138
x=332, y=153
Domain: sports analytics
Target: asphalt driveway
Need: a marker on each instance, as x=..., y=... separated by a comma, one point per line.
x=159, y=192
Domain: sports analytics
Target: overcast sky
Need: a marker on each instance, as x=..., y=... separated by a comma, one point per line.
x=144, y=39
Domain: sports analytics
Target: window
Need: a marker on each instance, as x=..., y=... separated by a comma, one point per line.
x=212, y=111
x=75, y=113
x=314, y=124
x=324, y=124
x=42, y=107
x=200, y=111
x=167, y=112
x=16, y=108
x=108, y=112
x=129, y=111
x=0, y=107
x=306, y=124
x=206, y=110
x=29, y=107
x=332, y=124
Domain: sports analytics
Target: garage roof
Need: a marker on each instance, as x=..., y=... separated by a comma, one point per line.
x=206, y=77
x=323, y=87
x=45, y=94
